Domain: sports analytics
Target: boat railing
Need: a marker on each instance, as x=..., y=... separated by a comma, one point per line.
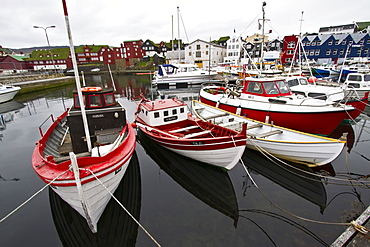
x=40, y=126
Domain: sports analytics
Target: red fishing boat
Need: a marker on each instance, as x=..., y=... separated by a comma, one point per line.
x=271, y=100
x=169, y=123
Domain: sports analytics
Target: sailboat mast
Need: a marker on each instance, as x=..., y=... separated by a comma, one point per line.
x=263, y=33
x=77, y=78
x=178, y=30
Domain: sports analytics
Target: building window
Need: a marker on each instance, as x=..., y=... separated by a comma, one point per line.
x=198, y=47
x=335, y=51
x=344, y=42
x=366, y=51
x=313, y=43
x=189, y=53
x=206, y=53
x=291, y=44
x=198, y=54
x=312, y=52
x=341, y=52
x=328, y=52
x=337, y=41
x=317, y=52
x=318, y=42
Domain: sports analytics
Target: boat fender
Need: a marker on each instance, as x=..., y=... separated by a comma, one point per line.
x=134, y=125
x=116, y=115
x=312, y=79
x=222, y=88
x=91, y=89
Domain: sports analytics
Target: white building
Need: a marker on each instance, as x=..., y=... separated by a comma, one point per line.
x=204, y=53
x=234, y=50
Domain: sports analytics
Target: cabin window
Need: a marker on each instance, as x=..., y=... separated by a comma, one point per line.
x=270, y=87
x=77, y=102
x=282, y=86
x=174, y=111
x=109, y=99
x=293, y=82
x=165, y=113
x=156, y=114
x=182, y=110
x=95, y=101
x=254, y=87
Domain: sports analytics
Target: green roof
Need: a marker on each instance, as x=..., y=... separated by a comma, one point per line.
x=62, y=53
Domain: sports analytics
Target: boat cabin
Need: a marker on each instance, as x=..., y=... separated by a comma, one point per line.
x=172, y=69
x=163, y=112
x=267, y=87
x=358, y=80
x=105, y=117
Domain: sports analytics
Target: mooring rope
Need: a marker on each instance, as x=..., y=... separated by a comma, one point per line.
x=29, y=199
x=270, y=156
x=357, y=227
x=123, y=207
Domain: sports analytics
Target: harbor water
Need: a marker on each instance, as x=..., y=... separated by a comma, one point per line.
x=180, y=202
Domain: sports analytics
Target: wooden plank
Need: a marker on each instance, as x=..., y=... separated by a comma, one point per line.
x=270, y=133
x=252, y=126
x=196, y=134
x=184, y=129
x=215, y=116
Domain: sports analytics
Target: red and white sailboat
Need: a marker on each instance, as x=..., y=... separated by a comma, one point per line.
x=271, y=100
x=169, y=123
x=82, y=175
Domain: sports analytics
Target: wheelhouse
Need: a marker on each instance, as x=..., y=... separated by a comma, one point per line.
x=163, y=112
x=266, y=87
x=95, y=98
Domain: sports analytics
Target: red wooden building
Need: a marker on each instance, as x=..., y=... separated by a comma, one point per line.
x=289, y=47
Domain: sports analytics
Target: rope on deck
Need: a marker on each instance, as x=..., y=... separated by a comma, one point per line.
x=123, y=207
x=29, y=199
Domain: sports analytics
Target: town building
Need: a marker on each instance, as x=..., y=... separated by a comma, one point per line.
x=204, y=54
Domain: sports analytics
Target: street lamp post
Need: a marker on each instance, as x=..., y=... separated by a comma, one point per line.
x=47, y=39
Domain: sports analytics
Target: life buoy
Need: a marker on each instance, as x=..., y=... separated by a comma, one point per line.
x=91, y=89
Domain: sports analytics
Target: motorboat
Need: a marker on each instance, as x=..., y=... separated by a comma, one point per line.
x=308, y=87
x=299, y=147
x=7, y=92
x=359, y=82
x=169, y=123
x=181, y=75
x=271, y=100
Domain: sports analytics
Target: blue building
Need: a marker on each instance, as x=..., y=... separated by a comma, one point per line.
x=332, y=48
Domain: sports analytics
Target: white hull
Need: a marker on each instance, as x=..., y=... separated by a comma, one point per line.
x=220, y=157
x=97, y=196
x=281, y=142
x=7, y=93
x=187, y=79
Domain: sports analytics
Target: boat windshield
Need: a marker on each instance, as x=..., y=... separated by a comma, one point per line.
x=367, y=77
x=283, y=87
x=254, y=87
x=354, y=78
x=270, y=87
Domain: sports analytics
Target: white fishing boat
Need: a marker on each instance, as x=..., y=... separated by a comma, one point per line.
x=283, y=143
x=7, y=92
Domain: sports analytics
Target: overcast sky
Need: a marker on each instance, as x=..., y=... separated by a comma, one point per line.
x=110, y=22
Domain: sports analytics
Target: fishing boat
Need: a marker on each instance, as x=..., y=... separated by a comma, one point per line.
x=7, y=92
x=287, y=144
x=116, y=227
x=271, y=100
x=82, y=175
x=308, y=87
x=181, y=75
x=169, y=123
x=209, y=184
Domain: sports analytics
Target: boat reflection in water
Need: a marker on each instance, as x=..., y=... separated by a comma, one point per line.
x=297, y=178
x=209, y=184
x=116, y=227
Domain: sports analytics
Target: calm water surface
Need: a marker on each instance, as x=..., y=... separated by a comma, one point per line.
x=179, y=201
